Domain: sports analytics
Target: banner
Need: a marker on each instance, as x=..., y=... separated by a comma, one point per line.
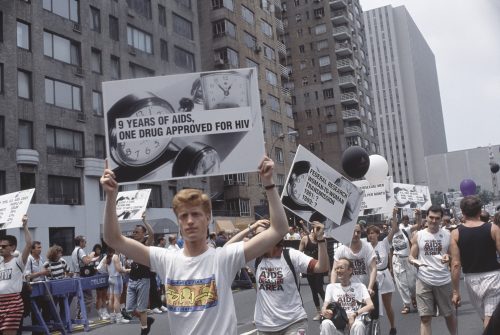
x=315, y=191
x=131, y=204
x=412, y=196
x=180, y=126
x=377, y=199
x=13, y=206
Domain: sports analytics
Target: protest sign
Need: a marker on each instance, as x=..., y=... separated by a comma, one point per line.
x=13, y=206
x=179, y=126
x=412, y=196
x=131, y=204
x=377, y=199
x=315, y=191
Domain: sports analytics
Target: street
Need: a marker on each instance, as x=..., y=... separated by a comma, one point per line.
x=468, y=320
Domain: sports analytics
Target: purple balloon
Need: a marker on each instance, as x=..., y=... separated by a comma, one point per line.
x=468, y=187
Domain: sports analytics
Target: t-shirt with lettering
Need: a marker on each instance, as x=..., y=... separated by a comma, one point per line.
x=198, y=289
x=361, y=260
x=400, y=242
x=278, y=303
x=431, y=248
x=11, y=275
x=382, y=250
x=349, y=297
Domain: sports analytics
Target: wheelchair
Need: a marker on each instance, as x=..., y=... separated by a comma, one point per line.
x=372, y=319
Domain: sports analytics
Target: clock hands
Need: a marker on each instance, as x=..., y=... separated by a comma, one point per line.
x=226, y=91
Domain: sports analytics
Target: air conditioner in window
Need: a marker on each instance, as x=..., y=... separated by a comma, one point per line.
x=219, y=61
x=79, y=162
x=130, y=12
x=257, y=49
x=78, y=71
x=77, y=28
x=319, y=15
x=81, y=117
x=131, y=50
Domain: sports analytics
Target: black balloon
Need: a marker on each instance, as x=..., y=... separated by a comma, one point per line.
x=355, y=161
x=494, y=167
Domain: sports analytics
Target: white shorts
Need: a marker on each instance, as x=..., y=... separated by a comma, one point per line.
x=484, y=291
x=385, y=282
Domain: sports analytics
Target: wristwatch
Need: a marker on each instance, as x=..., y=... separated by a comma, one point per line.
x=296, y=184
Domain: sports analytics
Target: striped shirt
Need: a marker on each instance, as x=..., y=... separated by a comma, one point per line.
x=57, y=269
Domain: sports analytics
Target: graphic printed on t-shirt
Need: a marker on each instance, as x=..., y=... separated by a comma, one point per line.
x=378, y=259
x=433, y=247
x=191, y=295
x=359, y=267
x=399, y=242
x=348, y=300
x=6, y=274
x=271, y=279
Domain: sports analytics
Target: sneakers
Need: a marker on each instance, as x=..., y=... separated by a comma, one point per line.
x=393, y=331
x=145, y=331
x=317, y=317
x=103, y=314
x=125, y=315
x=164, y=309
x=156, y=310
x=121, y=320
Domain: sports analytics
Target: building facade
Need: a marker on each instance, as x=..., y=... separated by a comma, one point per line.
x=405, y=93
x=326, y=49
x=54, y=55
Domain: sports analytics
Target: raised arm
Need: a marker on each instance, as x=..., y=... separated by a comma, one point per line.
x=264, y=241
x=112, y=233
x=455, y=267
x=322, y=264
x=394, y=225
x=418, y=220
x=250, y=229
x=27, y=240
x=151, y=234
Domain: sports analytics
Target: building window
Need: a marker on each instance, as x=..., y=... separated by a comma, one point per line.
x=25, y=135
x=65, y=8
x=184, y=3
x=115, y=68
x=274, y=103
x=309, y=130
x=184, y=59
x=155, y=196
x=269, y=52
x=1, y=26
x=235, y=179
x=223, y=28
x=320, y=45
x=326, y=77
x=164, y=50
x=2, y=131
x=302, y=49
x=229, y=56
x=182, y=26
x=114, y=30
x=62, y=95
x=250, y=40
x=279, y=155
x=97, y=103
x=139, y=39
x=266, y=28
x=247, y=15
x=138, y=71
x=23, y=35
x=61, y=48
x=276, y=129
x=289, y=112
x=28, y=181
x=328, y=93
x=251, y=63
x=64, y=237
x=141, y=7
x=24, y=84
x=162, y=15
x=64, y=142
x=3, y=183
x=95, y=19
x=96, y=61
x=271, y=77
x=100, y=146
x=217, y=4
x=324, y=61
x=320, y=29
x=1, y=78
x=64, y=190
x=331, y=127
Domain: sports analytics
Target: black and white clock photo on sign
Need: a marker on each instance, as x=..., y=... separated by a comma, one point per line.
x=180, y=126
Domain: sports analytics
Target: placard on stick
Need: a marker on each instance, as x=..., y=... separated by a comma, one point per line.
x=131, y=204
x=13, y=206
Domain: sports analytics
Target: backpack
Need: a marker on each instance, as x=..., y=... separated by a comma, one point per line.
x=339, y=318
x=85, y=270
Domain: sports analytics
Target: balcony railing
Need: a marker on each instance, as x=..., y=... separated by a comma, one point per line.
x=351, y=114
x=337, y=4
x=279, y=25
x=345, y=64
x=348, y=98
x=343, y=49
x=347, y=81
x=339, y=17
x=352, y=130
x=281, y=48
x=341, y=33
x=285, y=72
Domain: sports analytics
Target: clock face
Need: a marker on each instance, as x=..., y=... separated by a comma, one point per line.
x=225, y=90
x=296, y=187
x=207, y=162
x=142, y=152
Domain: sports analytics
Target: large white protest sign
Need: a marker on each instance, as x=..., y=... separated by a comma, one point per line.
x=315, y=191
x=131, y=204
x=377, y=199
x=13, y=206
x=412, y=196
x=179, y=126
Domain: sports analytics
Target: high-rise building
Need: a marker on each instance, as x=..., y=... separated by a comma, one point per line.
x=239, y=34
x=405, y=93
x=54, y=55
x=331, y=94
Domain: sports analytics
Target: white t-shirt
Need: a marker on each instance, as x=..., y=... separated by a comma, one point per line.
x=33, y=266
x=294, y=236
x=361, y=260
x=400, y=242
x=348, y=297
x=76, y=259
x=278, y=301
x=198, y=289
x=382, y=251
x=431, y=248
x=11, y=275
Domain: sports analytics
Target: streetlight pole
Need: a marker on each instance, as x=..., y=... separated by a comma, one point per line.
x=281, y=136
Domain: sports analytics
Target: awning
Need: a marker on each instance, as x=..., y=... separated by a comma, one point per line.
x=226, y=225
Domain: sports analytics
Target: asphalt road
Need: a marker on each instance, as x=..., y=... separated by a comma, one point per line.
x=468, y=321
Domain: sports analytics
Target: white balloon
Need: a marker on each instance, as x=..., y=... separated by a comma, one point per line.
x=378, y=170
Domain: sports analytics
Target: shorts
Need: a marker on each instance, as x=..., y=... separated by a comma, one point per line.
x=385, y=282
x=484, y=291
x=11, y=311
x=115, y=285
x=299, y=327
x=138, y=295
x=429, y=296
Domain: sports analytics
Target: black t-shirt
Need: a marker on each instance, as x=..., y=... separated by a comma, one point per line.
x=139, y=271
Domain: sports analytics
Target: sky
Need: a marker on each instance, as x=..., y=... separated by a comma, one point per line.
x=464, y=37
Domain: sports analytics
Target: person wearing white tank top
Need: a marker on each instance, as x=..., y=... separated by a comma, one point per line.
x=430, y=254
